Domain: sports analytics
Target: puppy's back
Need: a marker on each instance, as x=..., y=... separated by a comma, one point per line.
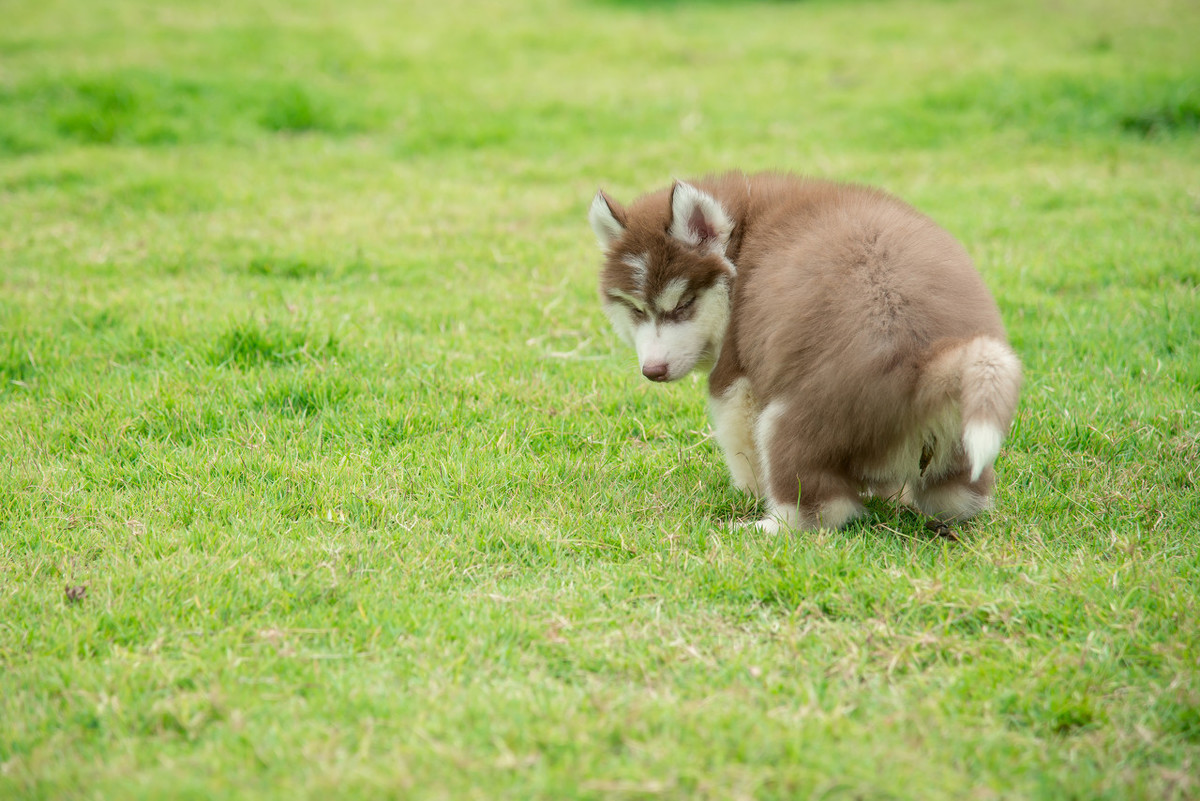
x=845, y=294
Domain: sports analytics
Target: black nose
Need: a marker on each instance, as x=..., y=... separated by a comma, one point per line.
x=656, y=371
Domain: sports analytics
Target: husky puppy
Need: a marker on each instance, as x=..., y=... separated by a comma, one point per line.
x=851, y=347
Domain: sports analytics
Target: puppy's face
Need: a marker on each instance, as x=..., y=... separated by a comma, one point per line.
x=666, y=282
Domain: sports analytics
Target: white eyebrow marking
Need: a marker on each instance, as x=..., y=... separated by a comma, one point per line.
x=636, y=303
x=672, y=293
x=640, y=266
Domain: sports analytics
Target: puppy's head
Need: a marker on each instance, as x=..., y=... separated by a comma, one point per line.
x=666, y=281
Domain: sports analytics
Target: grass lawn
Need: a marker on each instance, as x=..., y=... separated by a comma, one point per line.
x=304, y=380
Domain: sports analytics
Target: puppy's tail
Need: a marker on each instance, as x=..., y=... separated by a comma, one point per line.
x=984, y=376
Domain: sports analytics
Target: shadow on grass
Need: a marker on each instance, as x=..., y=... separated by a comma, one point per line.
x=885, y=521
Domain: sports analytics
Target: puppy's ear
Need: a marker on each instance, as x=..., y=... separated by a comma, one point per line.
x=698, y=219
x=607, y=219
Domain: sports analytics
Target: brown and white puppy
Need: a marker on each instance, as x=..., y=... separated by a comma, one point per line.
x=852, y=348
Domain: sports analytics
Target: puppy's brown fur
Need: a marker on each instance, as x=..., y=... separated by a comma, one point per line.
x=861, y=352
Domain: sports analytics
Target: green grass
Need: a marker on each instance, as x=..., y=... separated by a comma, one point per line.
x=303, y=375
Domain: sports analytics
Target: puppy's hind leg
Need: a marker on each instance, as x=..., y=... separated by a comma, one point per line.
x=800, y=495
x=955, y=497
x=816, y=501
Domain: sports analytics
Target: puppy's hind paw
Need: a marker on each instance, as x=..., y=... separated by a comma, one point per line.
x=767, y=525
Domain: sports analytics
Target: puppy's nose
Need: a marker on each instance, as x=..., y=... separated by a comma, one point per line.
x=655, y=371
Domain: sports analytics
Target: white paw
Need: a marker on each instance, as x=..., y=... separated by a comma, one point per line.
x=768, y=525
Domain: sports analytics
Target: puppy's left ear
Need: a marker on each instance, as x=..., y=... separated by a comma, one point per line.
x=698, y=219
x=607, y=219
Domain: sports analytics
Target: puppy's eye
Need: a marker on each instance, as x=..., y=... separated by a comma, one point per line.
x=638, y=313
x=686, y=304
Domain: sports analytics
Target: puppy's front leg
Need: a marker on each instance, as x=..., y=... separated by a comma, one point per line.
x=734, y=413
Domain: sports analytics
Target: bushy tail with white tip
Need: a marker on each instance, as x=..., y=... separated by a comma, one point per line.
x=984, y=376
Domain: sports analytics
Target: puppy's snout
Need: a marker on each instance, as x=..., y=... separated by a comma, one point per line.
x=655, y=371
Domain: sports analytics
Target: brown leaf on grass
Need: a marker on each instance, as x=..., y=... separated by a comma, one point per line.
x=76, y=593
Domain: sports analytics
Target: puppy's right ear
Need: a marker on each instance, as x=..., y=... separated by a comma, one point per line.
x=607, y=219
